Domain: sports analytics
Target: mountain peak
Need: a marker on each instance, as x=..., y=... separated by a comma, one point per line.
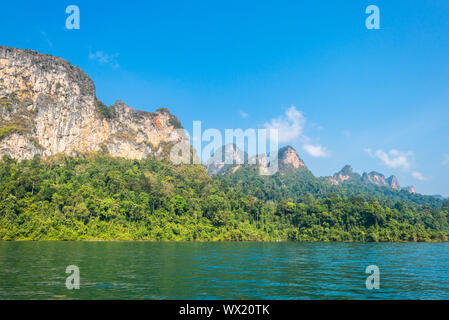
x=380, y=180
x=393, y=182
x=375, y=178
x=227, y=155
x=347, y=170
x=345, y=174
x=288, y=158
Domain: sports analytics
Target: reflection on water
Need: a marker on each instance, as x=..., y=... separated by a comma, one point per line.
x=148, y=270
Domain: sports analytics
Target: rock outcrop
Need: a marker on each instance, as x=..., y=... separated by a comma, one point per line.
x=288, y=158
x=345, y=174
x=380, y=180
x=227, y=156
x=393, y=182
x=410, y=189
x=375, y=178
x=48, y=106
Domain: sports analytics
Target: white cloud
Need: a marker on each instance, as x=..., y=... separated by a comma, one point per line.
x=418, y=175
x=289, y=126
x=393, y=158
x=397, y=159
x=316, y=150
x=243, y=114
x=104, y=58
x=445, y=160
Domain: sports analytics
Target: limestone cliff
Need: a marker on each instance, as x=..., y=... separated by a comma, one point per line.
x=288, y=158
x=345, y=174
x=380, y=180
x=393, y=182
x=48, y=106
x=227, y=156
x=410, y=189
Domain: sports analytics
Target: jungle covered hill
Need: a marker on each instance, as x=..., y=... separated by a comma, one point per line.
x=99, y=197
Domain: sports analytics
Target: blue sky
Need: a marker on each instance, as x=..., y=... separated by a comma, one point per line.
x=375, y=99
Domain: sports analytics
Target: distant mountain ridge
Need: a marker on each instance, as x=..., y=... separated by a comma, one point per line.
x=347, y=175
x=289, y=159
x=295, y=181
x=230, y=158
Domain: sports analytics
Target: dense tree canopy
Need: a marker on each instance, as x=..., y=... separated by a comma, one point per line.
x=98, y=197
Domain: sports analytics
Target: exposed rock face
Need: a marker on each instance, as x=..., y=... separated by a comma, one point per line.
x=375, y=178
x=48, y=106
x=231, y=156
x=288, y=158
x=225, y=157
x=380, y=180
x=393, y=182
x=410, y=189
x=345, y=174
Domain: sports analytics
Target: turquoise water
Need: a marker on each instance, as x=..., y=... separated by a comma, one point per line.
x=148, y=270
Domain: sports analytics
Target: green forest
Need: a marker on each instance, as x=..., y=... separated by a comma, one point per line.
x=98, y=197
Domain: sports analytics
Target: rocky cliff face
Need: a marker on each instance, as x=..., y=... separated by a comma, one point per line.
x=345, y=174
x=380, y=180
x=393, y=182
x=227, y=156
x=374, y=178
x=288, y=158
x=410, y=189
x=48, y=106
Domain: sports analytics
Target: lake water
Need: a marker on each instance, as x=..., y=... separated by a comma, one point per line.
x=287, y=270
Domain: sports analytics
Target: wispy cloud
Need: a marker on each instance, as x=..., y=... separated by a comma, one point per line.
x=418, y=175
x=47, y=39
x=290, y=128
x=104, y=58
x=316, y=150
x=243, y=114
x=289, y=125
x=393, y=158
x=317, y=126
x=397, y=160
x=445, y=161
